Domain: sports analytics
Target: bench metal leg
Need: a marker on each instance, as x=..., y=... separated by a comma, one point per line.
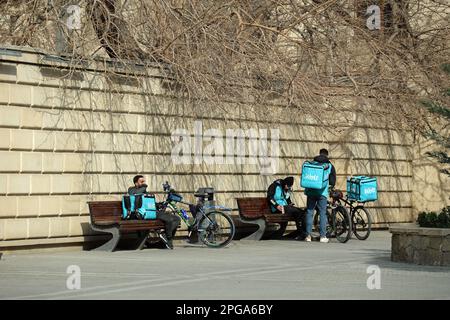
x=142, y=239
x=112, y=243
x=257, y=235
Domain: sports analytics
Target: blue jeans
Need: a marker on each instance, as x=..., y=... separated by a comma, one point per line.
x=321, y=203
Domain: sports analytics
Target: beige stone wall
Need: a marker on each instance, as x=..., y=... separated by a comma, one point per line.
x=64, y=141
x=431, y=188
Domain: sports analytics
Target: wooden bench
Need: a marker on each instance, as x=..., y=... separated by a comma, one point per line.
x=106, y=216
x=257, y=211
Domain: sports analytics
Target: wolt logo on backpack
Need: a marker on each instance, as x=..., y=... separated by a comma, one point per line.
x=315, y=175
x=311, y=177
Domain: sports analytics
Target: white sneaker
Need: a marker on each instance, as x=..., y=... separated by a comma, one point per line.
x=324, y=239
x=308, y=239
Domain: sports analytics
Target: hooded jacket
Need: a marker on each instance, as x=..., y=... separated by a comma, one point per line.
x=324, y=159
x=331, y=179
x=276, y=194
x=135, y=190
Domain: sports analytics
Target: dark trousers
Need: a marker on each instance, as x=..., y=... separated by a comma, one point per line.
x=299, y=216
x=171, y=222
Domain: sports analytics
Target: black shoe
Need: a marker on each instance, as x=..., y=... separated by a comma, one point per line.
x=170, y=244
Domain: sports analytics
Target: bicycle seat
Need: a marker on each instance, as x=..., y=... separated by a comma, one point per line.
x=205, y=193
x=337, y=194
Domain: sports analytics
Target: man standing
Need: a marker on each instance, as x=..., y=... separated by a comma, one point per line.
x=279, y=197
x=171, y=221
x=318, y=197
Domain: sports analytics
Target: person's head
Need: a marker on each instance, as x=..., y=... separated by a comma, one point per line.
x=323, y=152
x=288, y=182
x=139, y=181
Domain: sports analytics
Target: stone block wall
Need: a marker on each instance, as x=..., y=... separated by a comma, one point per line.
x=67, y=135
x=425, y=246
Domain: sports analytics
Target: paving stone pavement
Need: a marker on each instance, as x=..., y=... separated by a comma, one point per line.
x=270, y=269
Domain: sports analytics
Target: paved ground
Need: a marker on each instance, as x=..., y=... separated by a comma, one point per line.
x=245, y=270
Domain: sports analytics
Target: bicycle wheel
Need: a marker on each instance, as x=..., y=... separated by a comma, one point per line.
x=361, y=222
x=342, y=224
x=216, y=229
x=315, y=233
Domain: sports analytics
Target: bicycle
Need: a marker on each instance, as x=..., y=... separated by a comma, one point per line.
x=339, y=224
x=213, y=227
x=361, y=219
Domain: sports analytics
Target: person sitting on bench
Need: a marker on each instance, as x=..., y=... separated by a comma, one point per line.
x=171, y=221
x=279, y=197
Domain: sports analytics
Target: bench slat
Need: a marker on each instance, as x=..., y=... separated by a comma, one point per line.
x=106, y=213
x=136, y=225
x=258, y=208
x=277, y=217
x=253, y=208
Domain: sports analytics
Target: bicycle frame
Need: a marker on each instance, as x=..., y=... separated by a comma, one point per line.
x=202, y=209
x=173, y=206
x=204, y=221
x=352, y=206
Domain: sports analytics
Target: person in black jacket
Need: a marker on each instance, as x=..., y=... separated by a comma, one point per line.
x=318, y=198
x=171, y=221
x=279, y=197
x=140, y=187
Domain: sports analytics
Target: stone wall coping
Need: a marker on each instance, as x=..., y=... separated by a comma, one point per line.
x=36, y=56
x=411, y=228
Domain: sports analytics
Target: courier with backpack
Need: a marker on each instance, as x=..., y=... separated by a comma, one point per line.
x=139, y=204
x=316, y=177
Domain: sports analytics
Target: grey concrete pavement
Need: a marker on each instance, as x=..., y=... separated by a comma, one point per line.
x=274, y=269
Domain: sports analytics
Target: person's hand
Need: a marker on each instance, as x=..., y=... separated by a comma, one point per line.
x=281, y=208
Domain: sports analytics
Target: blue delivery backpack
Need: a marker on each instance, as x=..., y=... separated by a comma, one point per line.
x=315, y=175
x=143, y=206
x=362, y=188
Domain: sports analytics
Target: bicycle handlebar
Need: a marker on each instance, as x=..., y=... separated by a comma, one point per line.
x=167, y=187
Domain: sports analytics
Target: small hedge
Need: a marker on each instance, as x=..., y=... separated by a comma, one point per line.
x=435, y=220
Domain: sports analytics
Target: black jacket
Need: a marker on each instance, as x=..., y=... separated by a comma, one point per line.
x=135, y=190
x=324, y=159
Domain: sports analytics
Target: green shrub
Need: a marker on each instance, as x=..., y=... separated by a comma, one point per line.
x=431, y=220
x=435, y=220
x=421, y=219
